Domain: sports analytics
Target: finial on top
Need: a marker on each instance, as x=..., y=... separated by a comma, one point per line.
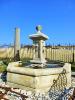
x=39, y=28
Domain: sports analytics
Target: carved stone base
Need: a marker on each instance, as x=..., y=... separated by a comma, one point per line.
x=36, y=79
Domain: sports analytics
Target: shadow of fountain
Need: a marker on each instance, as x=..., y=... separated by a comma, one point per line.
x=4, y=76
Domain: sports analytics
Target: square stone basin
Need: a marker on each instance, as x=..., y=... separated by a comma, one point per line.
x=36, y=79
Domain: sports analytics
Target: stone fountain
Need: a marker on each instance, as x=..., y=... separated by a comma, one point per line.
x=39, y=75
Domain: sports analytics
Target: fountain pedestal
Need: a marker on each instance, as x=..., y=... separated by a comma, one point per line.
x=38, y=46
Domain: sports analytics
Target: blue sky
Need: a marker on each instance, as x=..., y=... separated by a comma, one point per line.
x=57, y=18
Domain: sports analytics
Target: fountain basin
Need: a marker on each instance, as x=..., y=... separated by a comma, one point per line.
x=33, y=79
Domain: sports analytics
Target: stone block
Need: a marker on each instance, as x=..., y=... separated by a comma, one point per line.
x=36, y=79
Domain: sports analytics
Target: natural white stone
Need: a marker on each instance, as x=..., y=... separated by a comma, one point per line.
x=36, y=79
x=38, y=47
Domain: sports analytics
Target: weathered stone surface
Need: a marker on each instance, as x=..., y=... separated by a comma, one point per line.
x=36, y=79
x=17, y=45
x=37, y=72
x=38, y=44
x=16, y=64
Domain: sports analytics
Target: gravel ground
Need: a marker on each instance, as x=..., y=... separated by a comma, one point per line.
x=73, y=81
x=8, y=93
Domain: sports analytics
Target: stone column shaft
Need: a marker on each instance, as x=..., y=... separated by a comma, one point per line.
x=17, y=44
x=41, y=49
x=33, y=52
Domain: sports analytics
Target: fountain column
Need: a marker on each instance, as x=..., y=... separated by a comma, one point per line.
x=33, y=51
x=38, y=41
x=40, y=51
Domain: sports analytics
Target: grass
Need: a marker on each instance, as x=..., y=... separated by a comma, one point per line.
x=3, y=64
x=3, y=68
